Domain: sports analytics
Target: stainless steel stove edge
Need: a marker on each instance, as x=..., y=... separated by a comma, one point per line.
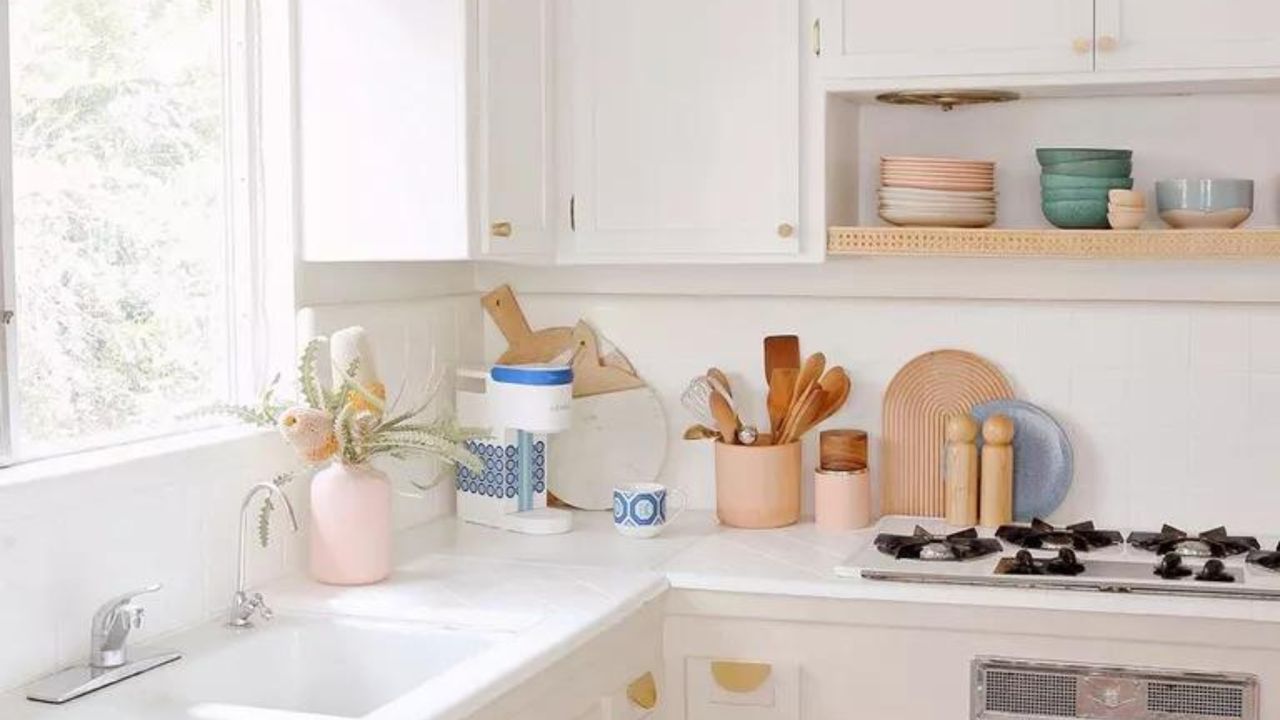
x=1040, y=582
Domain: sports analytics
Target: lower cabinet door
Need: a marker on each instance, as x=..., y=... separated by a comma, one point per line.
x=741, y=689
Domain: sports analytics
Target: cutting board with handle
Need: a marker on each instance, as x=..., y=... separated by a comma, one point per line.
x=526, y=345
x=918, y=401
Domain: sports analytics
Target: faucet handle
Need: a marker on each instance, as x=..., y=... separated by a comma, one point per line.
x=123, y=599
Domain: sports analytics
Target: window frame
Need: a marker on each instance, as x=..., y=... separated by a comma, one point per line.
x=259, y=328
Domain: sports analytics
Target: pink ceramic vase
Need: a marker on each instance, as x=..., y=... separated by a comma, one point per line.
x=350, y=525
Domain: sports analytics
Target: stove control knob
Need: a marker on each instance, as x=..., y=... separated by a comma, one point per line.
x=1215, y=571
x=1170, y=567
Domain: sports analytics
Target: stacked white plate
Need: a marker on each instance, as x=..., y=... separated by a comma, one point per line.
x=938, y=192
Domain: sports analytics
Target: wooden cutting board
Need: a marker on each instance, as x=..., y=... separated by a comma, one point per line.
x=525, y=345
x=917, y=403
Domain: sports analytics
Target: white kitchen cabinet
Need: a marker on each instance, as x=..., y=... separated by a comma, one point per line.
x=908, y=38
x=684, y=129
x=382, y=122
x=517, y=203
x=1187, y=34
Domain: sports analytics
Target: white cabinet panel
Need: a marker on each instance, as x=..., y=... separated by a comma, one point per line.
x=515, y=49
x=903, y=38
x=685, y=127
x=1177, y=34
x=382, y=117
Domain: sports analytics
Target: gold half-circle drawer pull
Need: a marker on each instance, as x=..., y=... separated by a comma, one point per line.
x=740, y=677
x=643, y=692
x=500, y=229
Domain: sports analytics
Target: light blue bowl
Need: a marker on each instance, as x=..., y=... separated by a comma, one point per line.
x=1204, y=195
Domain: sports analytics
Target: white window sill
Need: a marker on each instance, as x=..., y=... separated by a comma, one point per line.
x=63, y=465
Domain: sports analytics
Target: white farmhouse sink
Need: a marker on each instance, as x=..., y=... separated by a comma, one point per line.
x=322, y=666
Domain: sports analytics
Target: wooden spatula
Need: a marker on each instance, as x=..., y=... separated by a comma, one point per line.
x=782, y=383
x=780, y=351
x=802, y=418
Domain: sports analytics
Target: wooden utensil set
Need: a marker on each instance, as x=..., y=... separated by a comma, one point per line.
x=800, y=397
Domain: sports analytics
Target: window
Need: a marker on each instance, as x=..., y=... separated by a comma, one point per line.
x=130, y=264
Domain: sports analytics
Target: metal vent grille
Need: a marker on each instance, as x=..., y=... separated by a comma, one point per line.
x=1007, y=689
x=1195, y=700
x=1031, y=693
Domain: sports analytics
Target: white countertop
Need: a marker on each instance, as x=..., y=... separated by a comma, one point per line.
x=547, y=595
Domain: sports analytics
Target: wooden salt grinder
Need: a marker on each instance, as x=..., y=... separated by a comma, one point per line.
x=997, y=472
x=961, y=471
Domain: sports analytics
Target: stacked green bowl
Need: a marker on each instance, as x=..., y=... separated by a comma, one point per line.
x=1074, y=183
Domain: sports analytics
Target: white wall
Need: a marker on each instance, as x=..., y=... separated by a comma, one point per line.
x=1172, y=407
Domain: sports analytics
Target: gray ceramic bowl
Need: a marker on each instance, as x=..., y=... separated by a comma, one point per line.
x=1207, y=195
x=1092, y=168
x=1204, y=203
x=1049, y=156
x=1076, y=213
x=1049, y=181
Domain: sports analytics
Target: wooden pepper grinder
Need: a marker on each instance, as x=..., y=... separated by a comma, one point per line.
x=961, y=471
x=997, y=472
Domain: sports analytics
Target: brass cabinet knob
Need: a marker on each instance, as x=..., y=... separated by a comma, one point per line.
x=1081, y=45
x=785, y=230
x=1107, y=43
x=500, y=229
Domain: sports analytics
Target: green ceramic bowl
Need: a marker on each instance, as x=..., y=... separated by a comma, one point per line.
x=1076, y=213
x=1050, y=156
x=1074, y=194
x=1051, y=181
x=1092, y=168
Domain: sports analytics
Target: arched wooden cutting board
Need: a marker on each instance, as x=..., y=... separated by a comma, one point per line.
x=916, y=404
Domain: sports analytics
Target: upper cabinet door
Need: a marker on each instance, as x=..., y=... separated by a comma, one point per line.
x=517, y=204
x=685, y=128
x=382, y=117
x=906, y=38
x=1180, y=34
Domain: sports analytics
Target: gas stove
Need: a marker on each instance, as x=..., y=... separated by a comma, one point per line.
x=1079, y=556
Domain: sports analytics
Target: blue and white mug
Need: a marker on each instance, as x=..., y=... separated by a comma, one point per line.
x=640, y=509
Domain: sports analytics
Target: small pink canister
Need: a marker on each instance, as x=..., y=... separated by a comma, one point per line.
x=842, y=499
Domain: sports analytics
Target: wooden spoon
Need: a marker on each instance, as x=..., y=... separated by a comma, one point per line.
x=810, y=373
x=716, y=375
x=782, y=383
x=726, y=419
x=837, y=385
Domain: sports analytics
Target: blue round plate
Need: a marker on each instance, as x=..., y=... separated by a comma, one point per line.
x=1042, y=460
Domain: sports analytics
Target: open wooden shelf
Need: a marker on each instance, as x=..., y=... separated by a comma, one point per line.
x=1046, y=243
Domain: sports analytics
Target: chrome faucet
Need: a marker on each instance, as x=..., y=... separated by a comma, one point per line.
x=243, y=605
x=109, y=661
x=111, y=625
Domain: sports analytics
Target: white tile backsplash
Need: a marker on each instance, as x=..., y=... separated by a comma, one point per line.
x=1171, y=407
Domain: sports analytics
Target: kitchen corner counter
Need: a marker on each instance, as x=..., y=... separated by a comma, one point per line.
x=696, y=553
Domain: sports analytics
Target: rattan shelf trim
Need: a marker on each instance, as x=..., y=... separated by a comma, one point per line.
x=1086, y=244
